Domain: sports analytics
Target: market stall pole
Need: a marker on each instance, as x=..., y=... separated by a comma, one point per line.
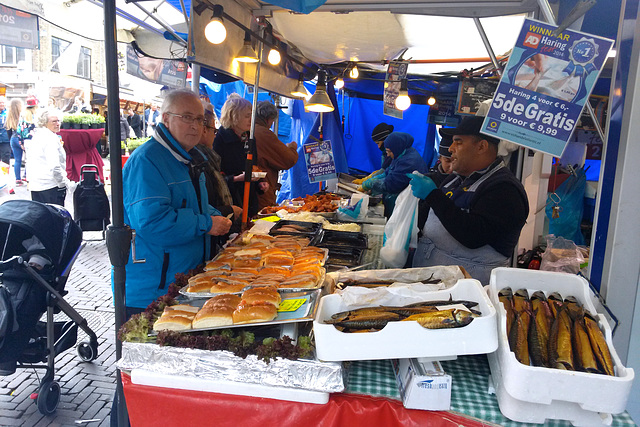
x=251, y=142
x=118, y=235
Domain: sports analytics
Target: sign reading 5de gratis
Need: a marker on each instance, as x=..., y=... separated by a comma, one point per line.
x=545, y=86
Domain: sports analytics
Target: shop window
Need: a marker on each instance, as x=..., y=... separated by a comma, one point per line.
x=58, y=46
x=84, y=63
x=12, y=56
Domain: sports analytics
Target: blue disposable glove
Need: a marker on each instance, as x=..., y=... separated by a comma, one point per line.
x=368, y=184
x=421, y=186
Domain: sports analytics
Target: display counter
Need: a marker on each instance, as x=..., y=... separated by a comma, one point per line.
x=371, y=398
x=80, y=146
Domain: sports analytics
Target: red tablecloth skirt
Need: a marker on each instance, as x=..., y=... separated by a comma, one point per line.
x=158, y=406
x=80, y=146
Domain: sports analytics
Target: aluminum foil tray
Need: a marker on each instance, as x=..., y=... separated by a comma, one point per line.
x=224, y=365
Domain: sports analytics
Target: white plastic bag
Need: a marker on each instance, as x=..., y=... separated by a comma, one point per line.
x=401, y=231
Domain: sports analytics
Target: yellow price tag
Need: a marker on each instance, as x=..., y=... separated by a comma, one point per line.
x=291, y=304
x=272, y=218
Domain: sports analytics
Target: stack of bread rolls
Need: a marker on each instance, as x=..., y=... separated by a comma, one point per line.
x=282, y=261
x=176, y=318
x=258, y=304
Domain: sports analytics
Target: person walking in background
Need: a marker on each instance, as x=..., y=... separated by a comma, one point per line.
x=124, y=128
x=47, y=173
x=230, y=143
x=135, y=122
x=12, y=126
x=26, y=126
x=5, y=147
x=151, y=119
x=273, y=155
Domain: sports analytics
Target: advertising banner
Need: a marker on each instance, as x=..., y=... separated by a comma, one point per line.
x=545, y=85
x=19, y=29
x=319, y=159
x=396, y=71
x=160, y=71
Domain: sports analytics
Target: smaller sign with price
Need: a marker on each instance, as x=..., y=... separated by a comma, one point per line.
x=319, y=159
x=545, y=85
x=19, y=29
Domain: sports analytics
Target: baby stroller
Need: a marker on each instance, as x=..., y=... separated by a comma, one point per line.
x=40, y=242
x=90, y=201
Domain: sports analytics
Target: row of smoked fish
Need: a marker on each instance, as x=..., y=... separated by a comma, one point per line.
x=429, y=314
x=554, y=332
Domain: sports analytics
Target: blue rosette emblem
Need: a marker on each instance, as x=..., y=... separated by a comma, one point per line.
x=582, y=54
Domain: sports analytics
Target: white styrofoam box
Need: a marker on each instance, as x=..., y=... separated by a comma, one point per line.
x=183, y=382
x=399, y=340
x=423, y=385
x=527, y=412
x=593, y=392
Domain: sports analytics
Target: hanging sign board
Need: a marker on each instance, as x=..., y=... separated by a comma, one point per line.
x=544, y=87
x=318, y=156
x=161, y=71
x=396, y=71
x=471, y=93
x=19, y=29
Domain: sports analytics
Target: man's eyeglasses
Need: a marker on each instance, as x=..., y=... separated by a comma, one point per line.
x=189, y=119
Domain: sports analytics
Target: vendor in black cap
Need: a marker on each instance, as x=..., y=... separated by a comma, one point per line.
x=476, y=215
x=378, y=135
x=443, y=168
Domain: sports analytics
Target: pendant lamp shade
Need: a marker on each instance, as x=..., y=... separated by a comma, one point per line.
x=320, y=102
x=300, y=91
x=247, y=54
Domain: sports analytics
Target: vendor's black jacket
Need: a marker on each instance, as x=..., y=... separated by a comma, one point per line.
x=231, y=150
x=491, y=214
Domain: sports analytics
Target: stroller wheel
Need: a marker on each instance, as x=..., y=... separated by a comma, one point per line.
x=87, y=351
x=48, y=397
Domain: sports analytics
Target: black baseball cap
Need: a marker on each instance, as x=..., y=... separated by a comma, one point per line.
x=470, y=125
x=445, y=143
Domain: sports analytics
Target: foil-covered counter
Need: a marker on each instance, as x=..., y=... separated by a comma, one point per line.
x=223, y=365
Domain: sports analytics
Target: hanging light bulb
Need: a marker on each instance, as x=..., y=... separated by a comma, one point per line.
x=431, y=101
x=247, y=54
x=354, y=73
x=274, y=54
x=403, y=101
x=339, y=84
x=319, y=101
x=300, y=91
x=215, y=31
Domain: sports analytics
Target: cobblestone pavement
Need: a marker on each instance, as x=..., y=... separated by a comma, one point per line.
x=87, y=388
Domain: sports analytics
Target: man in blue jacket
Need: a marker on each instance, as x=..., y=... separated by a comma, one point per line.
x=166, y=203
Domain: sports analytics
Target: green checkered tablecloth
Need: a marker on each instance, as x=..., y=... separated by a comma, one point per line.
x=469, y=395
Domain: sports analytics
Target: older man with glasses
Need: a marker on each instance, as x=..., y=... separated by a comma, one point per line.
x=166, y=202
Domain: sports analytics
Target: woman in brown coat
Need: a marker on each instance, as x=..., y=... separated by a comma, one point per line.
x=273, y=155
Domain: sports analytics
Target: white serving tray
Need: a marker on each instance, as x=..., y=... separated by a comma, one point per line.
x=527, y=412
x=408, y=339
x=593, y=392
x=182, y=382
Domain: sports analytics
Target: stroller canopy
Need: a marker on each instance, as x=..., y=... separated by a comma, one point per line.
x=51, y=224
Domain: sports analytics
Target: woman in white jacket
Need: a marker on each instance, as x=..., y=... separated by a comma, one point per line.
x=46, y=174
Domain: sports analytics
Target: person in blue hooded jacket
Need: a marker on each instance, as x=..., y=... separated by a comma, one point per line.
x=166, y=202
x=405, y=159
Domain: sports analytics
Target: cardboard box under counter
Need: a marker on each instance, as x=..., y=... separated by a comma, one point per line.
x=423, y=384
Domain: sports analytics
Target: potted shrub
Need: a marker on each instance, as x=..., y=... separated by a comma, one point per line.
x=123, y=148
x=133, y=143
x=66, y=124
x=100, y=121
x=85, y=120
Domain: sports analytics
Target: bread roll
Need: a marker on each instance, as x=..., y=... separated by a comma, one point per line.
x=300, y=281
x=265, y=294
x=172, y=323
x=218, y=264
x=213, y=316
x=183, y=313
x=227, y=288
x=277, y=260
x=246, y=262
x=183, y=307
x=200, y=287
x=266, y=271
x=255, y=313
x=229, y=300
x=258, y=283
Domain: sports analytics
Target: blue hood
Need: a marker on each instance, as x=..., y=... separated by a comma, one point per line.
x=397, y=142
